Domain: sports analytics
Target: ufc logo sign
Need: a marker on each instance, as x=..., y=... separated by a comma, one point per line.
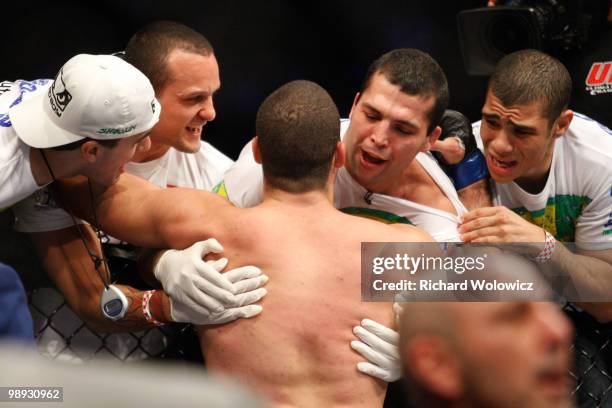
x=600, y=73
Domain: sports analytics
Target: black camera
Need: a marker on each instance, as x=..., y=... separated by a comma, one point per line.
x=487, y=34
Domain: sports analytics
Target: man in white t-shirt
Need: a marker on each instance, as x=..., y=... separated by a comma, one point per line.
x=183, y=70
x=90, y=120
x=552, y=173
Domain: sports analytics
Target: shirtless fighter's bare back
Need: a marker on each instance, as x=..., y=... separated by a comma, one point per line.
x=297, y=351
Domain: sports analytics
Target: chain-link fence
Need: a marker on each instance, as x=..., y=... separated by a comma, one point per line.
x=593, y=360
x=62, y=335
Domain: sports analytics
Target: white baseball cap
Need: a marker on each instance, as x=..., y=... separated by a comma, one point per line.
x=97, y=96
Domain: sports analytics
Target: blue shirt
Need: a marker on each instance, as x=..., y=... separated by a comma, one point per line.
x=15, y=318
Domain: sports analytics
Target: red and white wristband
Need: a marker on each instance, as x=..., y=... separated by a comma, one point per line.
x=146, y=307
x=549, y=247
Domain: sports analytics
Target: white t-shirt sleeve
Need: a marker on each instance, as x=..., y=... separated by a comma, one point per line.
x=594, y=226
x=242, y=184
x=16, y=178
x=40, y=213
x=592, y=143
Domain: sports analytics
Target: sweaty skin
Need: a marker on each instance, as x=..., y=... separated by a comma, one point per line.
x=297, y=353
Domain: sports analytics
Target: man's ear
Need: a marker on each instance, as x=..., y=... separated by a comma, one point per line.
x=562, y=123
x=433, y=364
x=339, y=155
x=357, y=96
x=431, y=139
x=90, y=151
x=255, y=148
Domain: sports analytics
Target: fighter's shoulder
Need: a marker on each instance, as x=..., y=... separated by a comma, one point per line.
x=410, y=233
x=398, y=232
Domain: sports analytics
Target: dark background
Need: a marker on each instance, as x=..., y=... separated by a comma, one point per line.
x=259, y=45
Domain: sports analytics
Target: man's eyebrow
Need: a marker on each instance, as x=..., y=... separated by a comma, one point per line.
x=397, y=121
x=520, y=126
x=194, y=92
x=370, y=107
x=197, y=91
x=489, y=115
x=523, y=127
x=410, y=124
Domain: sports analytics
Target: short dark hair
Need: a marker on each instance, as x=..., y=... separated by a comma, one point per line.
x=109, y=143
x=149, y=48
x=527, y=76
x=416, y=73
x=298, y=127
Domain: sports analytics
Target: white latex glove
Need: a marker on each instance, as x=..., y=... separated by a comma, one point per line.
x=200, y=294
x=379, y=345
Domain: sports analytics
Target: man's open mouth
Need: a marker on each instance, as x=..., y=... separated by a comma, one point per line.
x=501, y=166
x=370, y=158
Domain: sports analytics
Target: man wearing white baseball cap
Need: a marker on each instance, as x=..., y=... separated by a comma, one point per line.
x=89, y=121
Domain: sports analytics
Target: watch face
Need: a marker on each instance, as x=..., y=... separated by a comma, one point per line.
x=113, y=307
x=113, y=302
